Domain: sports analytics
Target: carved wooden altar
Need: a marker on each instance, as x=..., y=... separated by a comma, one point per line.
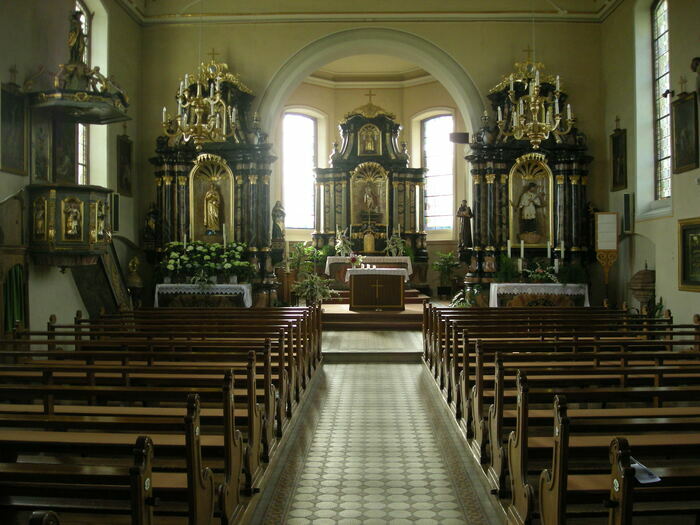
x=228, y=179
x=537, y=197
x=369, y=191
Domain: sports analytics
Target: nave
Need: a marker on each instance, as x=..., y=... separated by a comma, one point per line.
x=376, y=446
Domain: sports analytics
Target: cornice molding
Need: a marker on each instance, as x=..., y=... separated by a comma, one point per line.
x=292, y=17
x=369, y=84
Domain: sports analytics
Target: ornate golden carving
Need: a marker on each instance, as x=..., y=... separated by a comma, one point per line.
x=253, y=179
x=212, y=209
x=266, y=179
x=369, y=140
x=72, y=219
x=239, y=179
x=530, y=195
x=370, y=110
x=560, y=179
x=369, y=196
x=574, y=179
x=490, y=178
x=159, y=181
x=504, y=178
x=167, y=180
x=40, y=212
x=606, y=258
x=182, y=180
x=51, y=215
x=584, y=180
x=476, y=179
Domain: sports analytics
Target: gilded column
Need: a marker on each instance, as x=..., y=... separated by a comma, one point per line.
x=502, y=210
x=168, y=212
x=574, y=181
x=253, y=241
x=477, y=211
x=411, y=226
x=182, y=208
x=560, y=210
x=238, y=198
x=490, y=211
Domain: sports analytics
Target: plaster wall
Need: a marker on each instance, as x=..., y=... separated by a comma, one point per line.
x=655, y=241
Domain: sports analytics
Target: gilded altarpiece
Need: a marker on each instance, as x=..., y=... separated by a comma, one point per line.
x=211, y=184
x=369, y=192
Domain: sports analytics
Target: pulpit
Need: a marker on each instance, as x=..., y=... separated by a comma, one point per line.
x=376, y=288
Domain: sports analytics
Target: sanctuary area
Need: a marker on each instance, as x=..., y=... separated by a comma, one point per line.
x=362, y=263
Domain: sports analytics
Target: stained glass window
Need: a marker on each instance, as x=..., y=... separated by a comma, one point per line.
x=662, y=116
x=438, y=158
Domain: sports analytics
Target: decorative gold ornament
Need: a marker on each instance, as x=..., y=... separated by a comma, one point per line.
x=533, y=116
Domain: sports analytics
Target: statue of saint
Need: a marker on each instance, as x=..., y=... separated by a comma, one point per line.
x=72, y=222
x=76, y=39
x=278, y=216
x=369, y=198
x=530, y=200
x=368, y=140
x=39, y=219
x=212, y=210
x=464, y=213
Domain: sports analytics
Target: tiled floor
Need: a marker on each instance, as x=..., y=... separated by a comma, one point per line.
x=376, y=449
x=383, y=341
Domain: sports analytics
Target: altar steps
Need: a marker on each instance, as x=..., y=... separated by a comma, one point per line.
x=411, y=296
x=340, y=317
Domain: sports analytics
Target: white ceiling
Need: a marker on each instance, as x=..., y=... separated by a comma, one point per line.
x=369, y=65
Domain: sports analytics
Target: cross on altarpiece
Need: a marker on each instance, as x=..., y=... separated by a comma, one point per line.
x=370, y=95
x=213, y=54
x=376, y=287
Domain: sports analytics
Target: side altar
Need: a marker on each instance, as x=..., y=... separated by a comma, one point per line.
x=369, y=192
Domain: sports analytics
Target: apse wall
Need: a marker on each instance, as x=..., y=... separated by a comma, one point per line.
x=655, y=241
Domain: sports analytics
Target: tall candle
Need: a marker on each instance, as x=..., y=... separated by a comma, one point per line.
x=509, y=247
x=223, y=227
x=568, y=111
x=165, y=117
x=387, y=230
x=520, y=265
x=562, y=250
x=399, y=230
x=557, y=82
x=549, y=250
x=500, y=115
x=556, y=265
x=185, y=242
x=522, y=248
x=511, y=81
x=556, y=106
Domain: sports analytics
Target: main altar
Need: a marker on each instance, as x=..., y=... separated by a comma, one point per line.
x=369, y=193
x=337, y=266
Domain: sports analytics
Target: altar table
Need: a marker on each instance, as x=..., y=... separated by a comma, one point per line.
x=376, y=288
x=336, y=265
x=211, y=295
x=538, y=294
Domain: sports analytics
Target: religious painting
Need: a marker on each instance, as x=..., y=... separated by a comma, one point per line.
x=530, y=195
x=369, y=140
x=211, y=200
x=618, y=154
x=65, y=151
x=124, y=165
x=689, y=255
x=72, y=219
x=13, y=130
x=369, y=194
x=40, y=166
x=684, y=117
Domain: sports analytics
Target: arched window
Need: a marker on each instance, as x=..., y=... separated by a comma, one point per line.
x=299, y=147
x=438, y=158
x=83, y=134
x=662, y=116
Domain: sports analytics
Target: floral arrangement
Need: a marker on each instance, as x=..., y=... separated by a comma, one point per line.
x=314, y=289
x=446, y=265
x=343, y=247
x=395, y=246
x=199, y=262
x=541, y=274
x=356, y=259
x=466, y=298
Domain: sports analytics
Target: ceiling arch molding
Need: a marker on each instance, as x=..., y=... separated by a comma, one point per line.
x=345, y=43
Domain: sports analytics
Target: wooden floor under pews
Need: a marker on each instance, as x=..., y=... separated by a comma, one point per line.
x=574, y=415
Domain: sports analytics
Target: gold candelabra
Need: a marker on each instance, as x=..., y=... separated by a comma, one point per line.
x=202, y=114
x=533, y=116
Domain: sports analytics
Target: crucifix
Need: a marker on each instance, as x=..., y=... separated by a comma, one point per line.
x=370, y=95
x=617, y=122
x=213, y=54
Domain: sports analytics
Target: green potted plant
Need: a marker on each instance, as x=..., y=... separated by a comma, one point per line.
x=314, y=289
x=446, y=265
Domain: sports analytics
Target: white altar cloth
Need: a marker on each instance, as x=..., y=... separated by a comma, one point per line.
x=246, y=290
x=536, y=288
x=370, y=259
x=376, y=271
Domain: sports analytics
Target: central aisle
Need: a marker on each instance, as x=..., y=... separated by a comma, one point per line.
x=375, y=448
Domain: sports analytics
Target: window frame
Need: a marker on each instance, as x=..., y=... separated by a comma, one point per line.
x=316, y=118
x=83, y=149
x=655, y=80
x=422, y=119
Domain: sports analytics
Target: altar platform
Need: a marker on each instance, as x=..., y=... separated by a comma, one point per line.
x=340, y=317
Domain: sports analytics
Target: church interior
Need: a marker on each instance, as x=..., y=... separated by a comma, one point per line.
x=349, y=263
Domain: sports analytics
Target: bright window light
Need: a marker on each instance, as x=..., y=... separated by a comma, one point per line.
x=299, y=161
x=438, y=158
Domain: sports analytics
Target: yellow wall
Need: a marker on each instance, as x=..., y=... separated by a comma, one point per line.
x=656, y=240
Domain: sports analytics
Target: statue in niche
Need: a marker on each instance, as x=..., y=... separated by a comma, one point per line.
x=369, y=198
x=465, y=215
x=72, y=220
x=530, y=200
x=40, y=219
x=212, y=210
x=76, y=38
x=100, y=222
x=278, y=216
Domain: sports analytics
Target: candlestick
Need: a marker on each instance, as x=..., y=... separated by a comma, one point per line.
x=537, y=77
x=185, y=245
x=556, y=106
x=562, y=250
x=522, y=249
x=557, y=82
x=165, y=117
x=520, y=265
x=509, y=247
x=549, y=250
x=511, y=81
x=486, y=113
x=350, y=231
x=223, y=228
x=387, y=230
x=399, y=230
x=199, y=89
x=521, y=106
x=568, y=111
x=556, y=265
x=500, y=115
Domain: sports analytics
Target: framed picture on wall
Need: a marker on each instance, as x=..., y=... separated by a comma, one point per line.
x=40, y=147
x=684, y=119
x=124, y=165
x=689, y=255
x=618, y=154
x=13, y=129
x=65, y=151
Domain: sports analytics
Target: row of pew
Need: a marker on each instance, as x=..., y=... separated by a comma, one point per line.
x=151, y=414
x=591, y=414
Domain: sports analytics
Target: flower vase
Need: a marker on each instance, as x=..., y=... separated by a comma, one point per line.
x=213, y=279
x=233, y=279
x=167, y=279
